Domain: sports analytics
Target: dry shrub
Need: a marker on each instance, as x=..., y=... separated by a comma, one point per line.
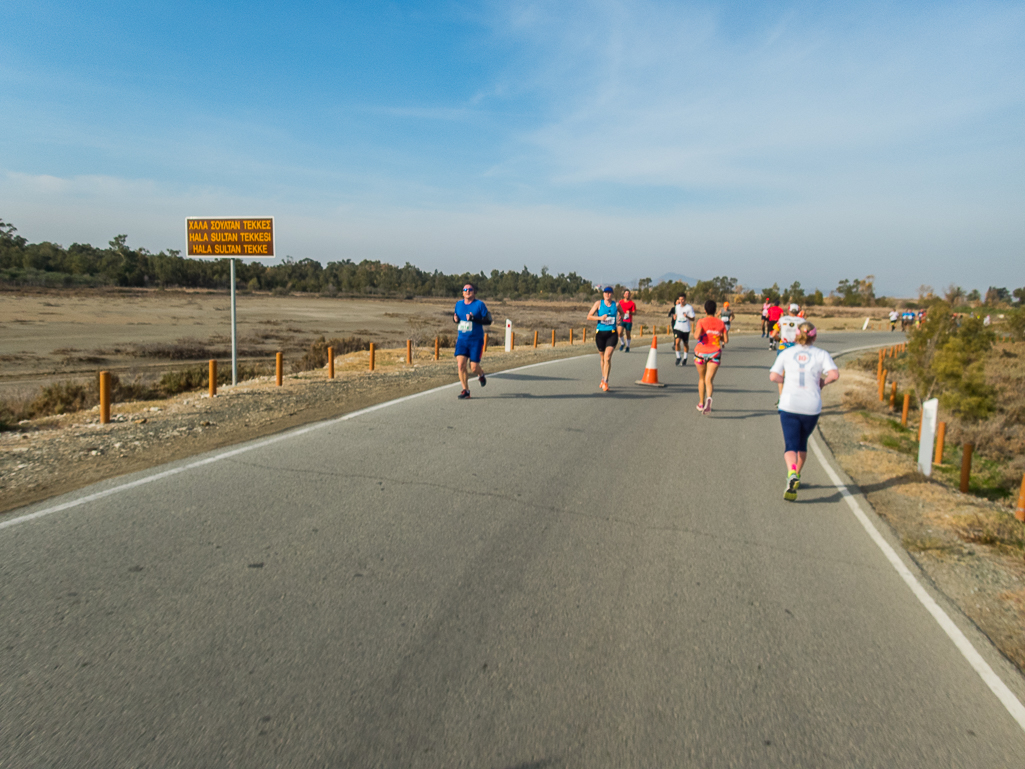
x=857, y=399
x=183, y=349
x=316, y=356
x=64, y=398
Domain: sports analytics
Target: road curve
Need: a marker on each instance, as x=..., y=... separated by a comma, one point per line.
x=542, y=576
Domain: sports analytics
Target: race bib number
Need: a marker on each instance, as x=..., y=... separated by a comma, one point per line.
x=609, y=320
x=465, y=326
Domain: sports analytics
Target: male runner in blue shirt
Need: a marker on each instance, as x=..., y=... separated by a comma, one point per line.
x=471, y=315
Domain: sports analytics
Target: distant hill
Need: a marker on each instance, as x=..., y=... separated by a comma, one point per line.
x=674, y=276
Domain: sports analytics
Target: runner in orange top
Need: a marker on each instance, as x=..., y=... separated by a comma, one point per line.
x=711, y=334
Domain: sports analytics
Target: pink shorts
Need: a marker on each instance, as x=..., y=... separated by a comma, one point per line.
x=701, y=358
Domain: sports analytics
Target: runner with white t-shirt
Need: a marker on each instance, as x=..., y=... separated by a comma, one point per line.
x=802, y=370
x=682, y=315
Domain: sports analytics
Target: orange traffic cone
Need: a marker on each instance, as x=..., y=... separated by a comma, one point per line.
x=650, y=377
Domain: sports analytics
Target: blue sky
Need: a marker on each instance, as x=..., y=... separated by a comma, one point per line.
x=805, y=141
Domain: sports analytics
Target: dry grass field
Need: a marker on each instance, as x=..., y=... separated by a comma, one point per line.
x=53, y=336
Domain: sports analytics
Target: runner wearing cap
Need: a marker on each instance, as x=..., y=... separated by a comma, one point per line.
x=726, y=315
x=682, y=315
x=801, y=372
x=627, y=308
x=471, y=316
x=711, y=335
x=786, y=327
x=606, y=313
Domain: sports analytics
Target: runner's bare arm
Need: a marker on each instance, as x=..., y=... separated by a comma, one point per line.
x=594, y=308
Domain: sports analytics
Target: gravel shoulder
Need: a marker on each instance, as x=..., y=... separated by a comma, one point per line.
x=942, y=529
x=54, y=455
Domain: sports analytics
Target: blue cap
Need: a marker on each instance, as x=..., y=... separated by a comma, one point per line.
x=607, y=288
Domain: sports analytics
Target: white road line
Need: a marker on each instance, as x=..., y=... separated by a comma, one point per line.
x=992, y=680
x=242, y=450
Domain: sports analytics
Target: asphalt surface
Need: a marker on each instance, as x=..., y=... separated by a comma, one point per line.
x=542, y=576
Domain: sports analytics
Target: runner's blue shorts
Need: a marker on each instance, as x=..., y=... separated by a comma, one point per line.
x=470, y=348
x=797, y=428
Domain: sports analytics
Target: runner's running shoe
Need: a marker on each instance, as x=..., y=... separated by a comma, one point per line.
x=793, y=481
x=708, y=405
x=604, y=386
x=464, y=394
x=797, y=485
x=700, y=407
x=621, y=346
x=678, y=361
x=483, y=380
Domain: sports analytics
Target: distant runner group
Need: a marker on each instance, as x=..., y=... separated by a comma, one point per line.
x=800, y=369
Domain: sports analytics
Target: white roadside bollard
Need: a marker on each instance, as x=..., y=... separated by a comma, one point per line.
x=925, y=443
x=508, y=335
x=867, y=321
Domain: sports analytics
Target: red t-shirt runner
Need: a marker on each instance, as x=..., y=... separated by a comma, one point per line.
x=629, y=308
x=775, y=313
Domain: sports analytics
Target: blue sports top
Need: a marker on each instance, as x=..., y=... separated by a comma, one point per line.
x=471, y=318
x=606, y=309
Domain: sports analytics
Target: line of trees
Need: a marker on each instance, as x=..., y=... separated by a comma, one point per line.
x=51, y=265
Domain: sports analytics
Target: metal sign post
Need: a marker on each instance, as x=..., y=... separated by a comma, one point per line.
x=249, y=237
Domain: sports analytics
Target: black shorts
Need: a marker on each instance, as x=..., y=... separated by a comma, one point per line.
x=603, y=339
x=684, y=335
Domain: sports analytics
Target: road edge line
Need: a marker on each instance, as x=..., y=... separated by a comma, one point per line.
x=227, y=454
x=968, y=651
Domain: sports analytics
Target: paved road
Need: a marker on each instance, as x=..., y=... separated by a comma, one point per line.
x=543, y=576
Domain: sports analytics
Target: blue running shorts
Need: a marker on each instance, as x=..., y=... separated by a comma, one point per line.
x=470, y=348
x=797, y=428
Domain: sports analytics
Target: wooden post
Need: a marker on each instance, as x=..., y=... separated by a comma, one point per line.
x=893, y=396
x=571, y=336
x=535, y=340
x=1020, y=512
x=371, y=356
x=279, y=364
x=941, y=434
x=553, y=337
x=437, y=348
x=879, y=369
x=213, y=377
x=904, y=411
x=512, y=340
x=669, y=331
x=966, y=466
x=583, y=335
x=104, y=397
x=882, y=387
x=485, y=344
x=409, y=351
x=330, y=362
x=640, y=332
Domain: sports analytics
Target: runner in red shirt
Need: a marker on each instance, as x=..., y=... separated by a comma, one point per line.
x=774, y=313
x=711, y=334
x=629, y=309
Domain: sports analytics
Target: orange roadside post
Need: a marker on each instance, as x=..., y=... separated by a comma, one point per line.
x=409, y=351
x=535, y=340
x=279, y=364
x=512, y=340
x=904, y=411
x=213, y=377
x=330, y=362
x=640, y=333
x=583, y=335
x=553, y=337
x=882, y=387
x=485, y=344
x=941, y=435
x=966, y=466
x=437, y=348
x=1020, y=512
x=372, y=349
x=104, y=397
x=571, y=336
